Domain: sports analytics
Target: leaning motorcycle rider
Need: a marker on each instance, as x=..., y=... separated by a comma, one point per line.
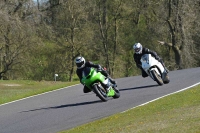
x=139, y=52
x=81, y=64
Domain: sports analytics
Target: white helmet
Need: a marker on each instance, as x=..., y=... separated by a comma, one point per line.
x=137, y=48
x=80, y=62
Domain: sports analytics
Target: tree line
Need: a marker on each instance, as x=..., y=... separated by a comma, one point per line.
x=40, y=38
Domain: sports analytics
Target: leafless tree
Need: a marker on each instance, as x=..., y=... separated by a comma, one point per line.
x=180, y=20
x=15, y=37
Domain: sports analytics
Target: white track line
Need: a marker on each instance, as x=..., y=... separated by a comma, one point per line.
x=121, y=112
x=162, y=97
x=37, y=95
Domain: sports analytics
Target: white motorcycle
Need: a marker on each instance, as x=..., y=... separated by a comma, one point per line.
x=154, y=69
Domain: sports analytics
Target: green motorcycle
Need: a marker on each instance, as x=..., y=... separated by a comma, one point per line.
x=99, y=84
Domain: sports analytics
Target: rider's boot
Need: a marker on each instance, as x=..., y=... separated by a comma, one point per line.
x=86, y=89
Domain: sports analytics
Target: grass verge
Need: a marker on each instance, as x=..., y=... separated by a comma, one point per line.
x=177, y=113
x=11, y=90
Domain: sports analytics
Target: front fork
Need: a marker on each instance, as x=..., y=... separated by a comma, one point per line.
x=102, y=86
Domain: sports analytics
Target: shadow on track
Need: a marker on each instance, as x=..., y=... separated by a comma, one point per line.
x=140, y=87
x=65, y=106
x=86, y=103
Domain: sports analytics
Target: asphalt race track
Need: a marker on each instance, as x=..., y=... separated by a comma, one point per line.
x=70, y=107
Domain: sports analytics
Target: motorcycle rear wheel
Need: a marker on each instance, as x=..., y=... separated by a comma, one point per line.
x=117, y=93
x=100, y=92
x=167, y=80
x=157, y=78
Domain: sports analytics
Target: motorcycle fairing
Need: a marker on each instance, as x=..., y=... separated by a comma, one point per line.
x=90, y=75
x=149, y=64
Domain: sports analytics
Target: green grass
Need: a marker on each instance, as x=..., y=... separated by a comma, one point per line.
x=177, y=113
x=16, y=89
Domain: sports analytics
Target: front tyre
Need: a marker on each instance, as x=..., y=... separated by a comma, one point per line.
x=157, y=77
x=100, y=92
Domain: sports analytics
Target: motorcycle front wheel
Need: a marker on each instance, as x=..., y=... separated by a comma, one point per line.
x=100, y=92
x=157, y=77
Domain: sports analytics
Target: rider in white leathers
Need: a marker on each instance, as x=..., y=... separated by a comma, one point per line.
x=139, y=52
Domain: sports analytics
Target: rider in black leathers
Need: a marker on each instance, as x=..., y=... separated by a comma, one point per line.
x=139, y=52
x=81, y=64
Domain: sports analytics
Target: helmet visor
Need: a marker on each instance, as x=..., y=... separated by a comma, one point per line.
x=80, y=64
x=137, y=49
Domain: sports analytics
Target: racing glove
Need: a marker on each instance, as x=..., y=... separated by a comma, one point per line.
x=99, y=69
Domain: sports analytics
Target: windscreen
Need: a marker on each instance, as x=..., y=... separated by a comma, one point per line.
x=144, y=58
